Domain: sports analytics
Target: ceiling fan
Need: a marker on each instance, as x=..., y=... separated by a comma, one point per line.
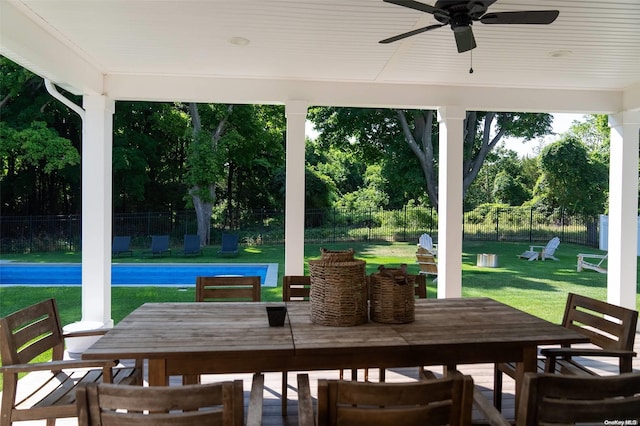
x=460, y=14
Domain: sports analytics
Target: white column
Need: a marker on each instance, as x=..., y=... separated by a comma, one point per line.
x=97, y=137
x=296, y=113
x=451, y=121
x=623, y=209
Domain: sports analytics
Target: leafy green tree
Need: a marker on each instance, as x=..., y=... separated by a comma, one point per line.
x=572, y=180
x=150, y=143
x=234, y=152
x=39, y=153
x=380, y=135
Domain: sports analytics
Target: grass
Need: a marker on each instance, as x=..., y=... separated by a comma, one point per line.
x=539, y=288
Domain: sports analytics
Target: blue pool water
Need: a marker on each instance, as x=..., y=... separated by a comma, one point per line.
x=133, y=275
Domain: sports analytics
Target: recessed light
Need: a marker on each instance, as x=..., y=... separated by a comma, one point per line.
x=559, y=53
x=239, y=41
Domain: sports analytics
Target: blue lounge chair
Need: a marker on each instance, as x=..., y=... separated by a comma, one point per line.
x=229, y=245
x=192, y=245
x=121, y=246
x=159, y=245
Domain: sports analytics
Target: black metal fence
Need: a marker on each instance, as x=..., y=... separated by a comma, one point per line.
x=63, y=233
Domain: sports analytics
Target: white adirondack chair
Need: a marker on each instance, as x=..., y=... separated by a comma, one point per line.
x=426, y=242
x=583, y=264
x=542, y=252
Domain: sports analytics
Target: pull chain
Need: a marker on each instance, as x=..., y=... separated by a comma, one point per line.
x=471, y=62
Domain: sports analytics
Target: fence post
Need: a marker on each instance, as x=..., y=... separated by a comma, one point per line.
x=405, y=224
x=531, y=224
x=497, y=223
x=334, y=224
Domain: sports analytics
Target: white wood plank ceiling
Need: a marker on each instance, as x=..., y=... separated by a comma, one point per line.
x=593, y=45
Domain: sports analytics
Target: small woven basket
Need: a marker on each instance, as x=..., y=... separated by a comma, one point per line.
x=392, y=296
x=338, y=294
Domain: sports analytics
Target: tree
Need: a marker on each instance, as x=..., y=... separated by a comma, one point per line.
x=39, y=153
x=379, y=135
x=234, y=152
x=482, y=132
x=572, y=180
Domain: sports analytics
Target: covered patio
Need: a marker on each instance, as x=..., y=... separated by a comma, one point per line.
x=305, y=53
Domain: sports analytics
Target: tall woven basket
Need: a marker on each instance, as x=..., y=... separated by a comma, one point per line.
x=338, y=294
x=392, y=296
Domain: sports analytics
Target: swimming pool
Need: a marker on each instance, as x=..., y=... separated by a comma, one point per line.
x=144, y=274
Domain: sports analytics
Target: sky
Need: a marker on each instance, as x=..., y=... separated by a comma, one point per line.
x=561, y=123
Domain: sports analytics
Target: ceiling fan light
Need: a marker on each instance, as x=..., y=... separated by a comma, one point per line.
x=239, y=41
x=561, y=53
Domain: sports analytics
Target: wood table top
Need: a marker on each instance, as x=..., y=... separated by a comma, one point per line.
x=465, y=330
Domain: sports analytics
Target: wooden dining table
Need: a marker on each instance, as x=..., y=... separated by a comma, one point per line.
x=197, y=338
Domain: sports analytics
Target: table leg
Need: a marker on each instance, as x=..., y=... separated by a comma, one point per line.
x=158, y=372
x=528, y=364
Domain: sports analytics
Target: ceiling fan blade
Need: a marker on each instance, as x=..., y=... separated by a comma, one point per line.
x=464, y=39
x=521, y=17
x=410, y=33
x=415, y=5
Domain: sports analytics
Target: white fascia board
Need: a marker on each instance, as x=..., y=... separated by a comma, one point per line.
x=631, y=100
x=389, y=95
x=30, y=45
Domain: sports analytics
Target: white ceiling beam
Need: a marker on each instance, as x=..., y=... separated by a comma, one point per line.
x=28, y=44
x=265, y=91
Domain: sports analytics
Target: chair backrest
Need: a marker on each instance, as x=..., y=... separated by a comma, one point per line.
x=234, y=288
x=607, y=326
x=552, y=246
x=427, y=262
x=229, y=242
x=159, y=243
x=121, y=244
x=191, y=243
x=189, y=405
x=296, y=287
x=563, y=399
x=430, y=402
x=426, y=242
x=31, y=331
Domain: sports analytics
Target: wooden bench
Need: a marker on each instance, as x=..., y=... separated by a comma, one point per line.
x=610, y=328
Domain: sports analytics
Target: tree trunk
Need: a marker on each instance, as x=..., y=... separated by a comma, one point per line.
x=203, y=215
x=204, y=206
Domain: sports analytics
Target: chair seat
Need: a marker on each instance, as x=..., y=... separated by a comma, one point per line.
x=57, y=392
x=563, y=366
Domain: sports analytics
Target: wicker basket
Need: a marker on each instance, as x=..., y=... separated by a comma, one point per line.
x=338, y=294
x=392, y=296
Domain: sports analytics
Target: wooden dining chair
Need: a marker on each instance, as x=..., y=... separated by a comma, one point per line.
x=550, y=398
x=426, y=402
x=610, y=328
x=49, y=393
x=219, y=403
x=225, y=288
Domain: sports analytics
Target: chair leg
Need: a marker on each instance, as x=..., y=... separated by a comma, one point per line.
x=284, y=392
x=497, y=388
